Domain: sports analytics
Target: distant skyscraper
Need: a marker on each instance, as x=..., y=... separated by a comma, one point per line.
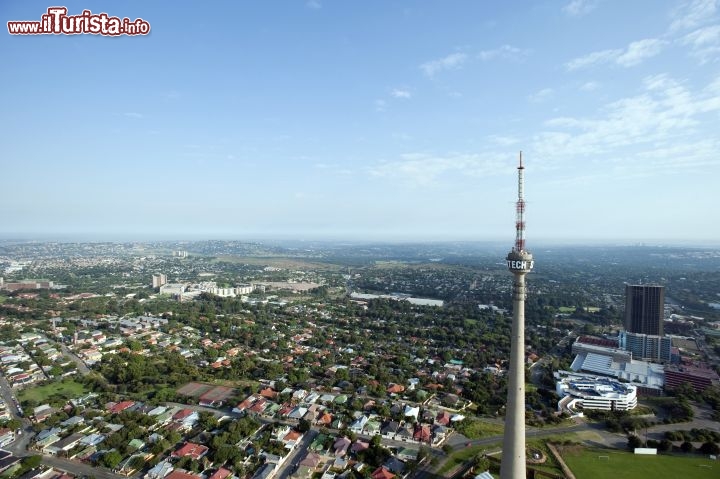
x=644, y=309
x=519, y=262
x=159, y=280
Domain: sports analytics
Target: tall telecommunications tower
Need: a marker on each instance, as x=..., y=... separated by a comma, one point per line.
x=519, y=262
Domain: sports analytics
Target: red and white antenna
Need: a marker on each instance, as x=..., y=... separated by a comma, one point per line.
x=520, y=212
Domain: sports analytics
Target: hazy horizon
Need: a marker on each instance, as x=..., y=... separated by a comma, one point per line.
x=536, y=244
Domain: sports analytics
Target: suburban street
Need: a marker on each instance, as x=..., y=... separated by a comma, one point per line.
x=295, y=456
x=78, y=362
x=79, y=468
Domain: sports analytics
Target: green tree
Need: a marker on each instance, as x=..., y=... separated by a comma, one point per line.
x=303, y=426
x=634, y=441
x=31, y=462
x=111, y=459
x=710, y=447
x=481, y=463
x=665, y=446
x=13, y=424
x=207, y=420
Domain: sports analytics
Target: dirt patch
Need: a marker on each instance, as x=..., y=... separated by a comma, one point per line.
x=194, y=389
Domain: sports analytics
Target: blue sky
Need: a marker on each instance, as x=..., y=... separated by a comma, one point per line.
x=383, y=120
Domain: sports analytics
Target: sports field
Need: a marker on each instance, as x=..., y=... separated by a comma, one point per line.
x=602, y=464
x=66, y=389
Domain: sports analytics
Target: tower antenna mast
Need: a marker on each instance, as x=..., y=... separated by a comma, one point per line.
x=519, y=262
x=520, y=211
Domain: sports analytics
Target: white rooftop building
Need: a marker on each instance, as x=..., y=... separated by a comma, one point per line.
x=616, y=363
x=585, y=391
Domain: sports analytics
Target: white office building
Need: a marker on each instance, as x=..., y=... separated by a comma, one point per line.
x=584, y=391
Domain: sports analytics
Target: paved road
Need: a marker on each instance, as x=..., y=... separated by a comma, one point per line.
x=296, y=455
x=8, y=396
x=78, y=362
x=79, y=468
x=19, y=446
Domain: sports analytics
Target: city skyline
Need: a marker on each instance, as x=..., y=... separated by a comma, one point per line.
x=375, y=121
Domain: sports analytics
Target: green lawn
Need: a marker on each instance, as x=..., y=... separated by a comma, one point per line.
x=460, y=457
x=591, y=464
x=571, y=309
x=476, y=429
x=3, y=299
x=67, y=389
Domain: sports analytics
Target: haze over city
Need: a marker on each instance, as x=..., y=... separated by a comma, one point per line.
x=365, y=120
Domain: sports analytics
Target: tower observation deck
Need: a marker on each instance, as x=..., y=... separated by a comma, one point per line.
x=520, y=262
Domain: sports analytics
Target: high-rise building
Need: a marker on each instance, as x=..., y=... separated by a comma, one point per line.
x=520, y=263
x=644, y=309
x=646, y=346
x=159, y=280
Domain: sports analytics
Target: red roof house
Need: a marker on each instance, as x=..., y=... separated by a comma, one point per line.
x=195, y=451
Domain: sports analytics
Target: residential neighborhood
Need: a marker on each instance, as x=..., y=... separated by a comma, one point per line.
x=298, y=378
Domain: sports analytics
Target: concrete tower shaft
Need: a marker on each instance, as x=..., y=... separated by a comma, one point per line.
x=519, y=262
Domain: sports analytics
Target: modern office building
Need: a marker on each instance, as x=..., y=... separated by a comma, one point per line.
x=646, y=346
x=617, y=363
x=644, y=309
x=584, y=392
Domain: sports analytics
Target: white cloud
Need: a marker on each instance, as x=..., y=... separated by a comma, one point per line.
x=577, y=8
x=504, y=52
x=421, y=169
x=380, y=105
x=703, y=36
x=714, y=87
x=705, y=43
x=664, y=113
x=401, y=93
x=450, y=62
x=638, y=51
x=693, y=14
x=541, y=95
x=592, y=59
x=590, y=86
x=503, y=140
x=133, y=114
x=314, y=4
x=632, y=55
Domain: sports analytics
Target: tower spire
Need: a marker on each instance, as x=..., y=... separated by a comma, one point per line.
x=520, y=262
x=520, y=211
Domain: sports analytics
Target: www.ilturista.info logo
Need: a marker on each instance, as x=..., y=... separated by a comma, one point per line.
x=57, y=22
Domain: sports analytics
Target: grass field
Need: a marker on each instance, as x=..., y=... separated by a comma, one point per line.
x=571, y=309
x=279, y=262
x=67, y=389
x=459, y=457
x=591, y=464
x=476, y=429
